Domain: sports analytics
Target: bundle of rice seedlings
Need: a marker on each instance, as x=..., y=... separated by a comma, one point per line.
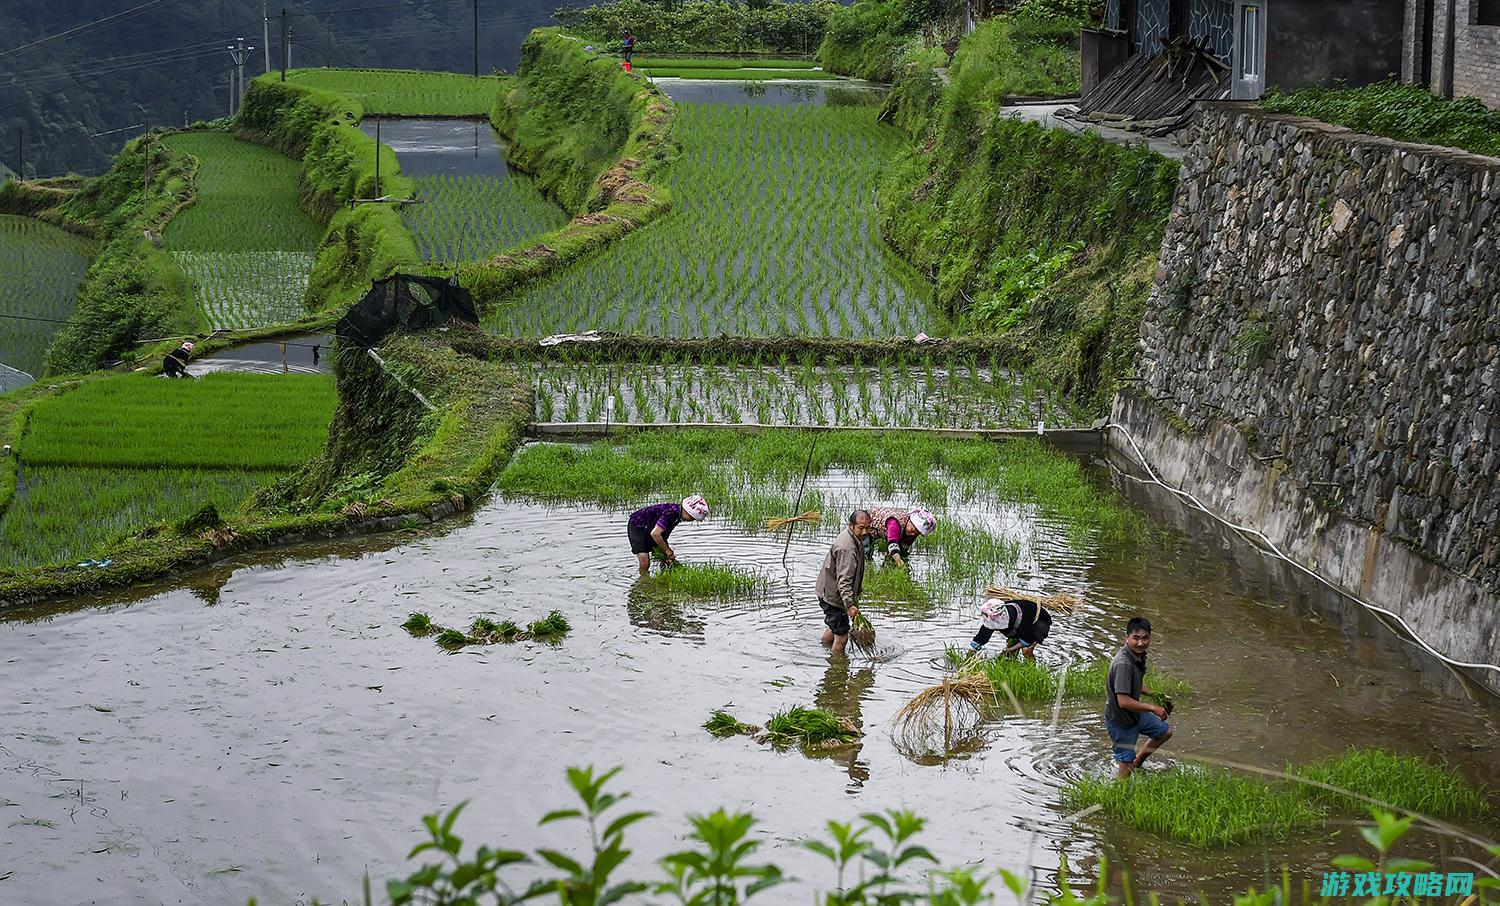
x=862, y=633
x=1062, y=601
x=953, y=708
x=553, y=626
x=721, y=723
x=451, y=640
x=813, y=516
x=418, y=624
x=813, y=727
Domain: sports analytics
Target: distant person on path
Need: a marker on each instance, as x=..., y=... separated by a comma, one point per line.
x=901, y=529
x=628, y=46
x=1026, y=624
x=841, y=580
x=650, y=526
x=1125, y=716
x=175, y=363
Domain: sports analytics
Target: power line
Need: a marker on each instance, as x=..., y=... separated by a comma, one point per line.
x=77, y=29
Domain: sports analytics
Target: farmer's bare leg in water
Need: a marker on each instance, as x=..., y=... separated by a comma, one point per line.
x=1140, y=758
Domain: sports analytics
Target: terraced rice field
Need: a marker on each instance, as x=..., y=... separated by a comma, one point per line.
x=41, y=268
x=773, y=232
x=743, y=68
x=119, y=454
x=468, y=217
x=245, y=243
x=404, y=92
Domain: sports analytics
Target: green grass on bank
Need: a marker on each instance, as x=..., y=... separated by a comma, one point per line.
x=406, y=92
x=772, y=232
x=221, y=420
x=41, y=268
x=1408, y=113
x=245, y=242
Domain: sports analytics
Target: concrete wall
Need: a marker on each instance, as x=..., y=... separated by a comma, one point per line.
x=1474, y=67
x=1321, y=360
x=1313, y=43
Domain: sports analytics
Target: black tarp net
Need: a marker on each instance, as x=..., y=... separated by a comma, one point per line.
x=404, y=301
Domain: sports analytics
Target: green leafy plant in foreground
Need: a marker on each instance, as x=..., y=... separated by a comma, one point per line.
x=875, y=861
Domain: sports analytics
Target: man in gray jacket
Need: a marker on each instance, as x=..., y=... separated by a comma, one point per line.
x=841, y=580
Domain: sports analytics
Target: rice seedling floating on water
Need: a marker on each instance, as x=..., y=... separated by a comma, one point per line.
x=418, y=624
x=814, y=728
x=1202, y=808
x=1402, y=782
x=721, y=723
x=451, y=640
x=550, y=628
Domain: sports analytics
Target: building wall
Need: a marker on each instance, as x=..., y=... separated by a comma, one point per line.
x=1475, y=65
x=1315, y=43
x=1321, y=359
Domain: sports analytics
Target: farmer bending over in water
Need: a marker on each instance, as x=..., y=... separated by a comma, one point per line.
x=1025, y=624
x=649, y=527
x=902, y=529
x=841, y=580
x=1125, y=715
x=175, y=363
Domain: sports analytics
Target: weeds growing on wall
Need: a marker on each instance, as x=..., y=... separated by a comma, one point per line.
x=1408, y=113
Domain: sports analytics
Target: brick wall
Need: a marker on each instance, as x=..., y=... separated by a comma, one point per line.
x=1476, y=56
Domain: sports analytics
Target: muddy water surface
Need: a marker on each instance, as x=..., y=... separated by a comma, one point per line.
x=267, y=729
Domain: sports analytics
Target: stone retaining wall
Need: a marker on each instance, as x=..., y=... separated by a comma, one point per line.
x=1332, y=299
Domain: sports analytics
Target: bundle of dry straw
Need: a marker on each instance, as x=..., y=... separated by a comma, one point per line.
x=954, y=708
x=1061, y=601
x=814, y=516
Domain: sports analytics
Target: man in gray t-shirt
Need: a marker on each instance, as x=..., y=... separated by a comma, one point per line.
x=1125, y=716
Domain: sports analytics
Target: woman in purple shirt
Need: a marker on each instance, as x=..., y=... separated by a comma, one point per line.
x=649, y=527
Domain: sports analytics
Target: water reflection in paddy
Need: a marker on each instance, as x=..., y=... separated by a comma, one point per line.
x=267, y=729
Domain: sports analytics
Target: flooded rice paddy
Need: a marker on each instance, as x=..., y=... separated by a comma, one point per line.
x=266, y=728
x=472, y=205
x=896, y=395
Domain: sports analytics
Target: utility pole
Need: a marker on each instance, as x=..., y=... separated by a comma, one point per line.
x=289, y=47
x=265, y=33
x=238, y=52
x=231, y=91
x=327, y=44
x=20, y=154
x=377, y=157
x=283, y=43
x=476, y=39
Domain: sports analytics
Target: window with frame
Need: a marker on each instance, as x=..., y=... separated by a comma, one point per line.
x=1487, y=12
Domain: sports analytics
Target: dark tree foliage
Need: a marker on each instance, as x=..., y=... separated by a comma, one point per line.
x=170, y=62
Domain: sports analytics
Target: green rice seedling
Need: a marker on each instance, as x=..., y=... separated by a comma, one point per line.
x=714, y=581
x=41, y=269
x=222, y=420
x=550, y=628
x=1202, y=808
x=245, y=242
x=418, y=624
x=862, y=633
x=452, y=640
x=483, y=627
x=721, y=723
x=468, y=217
x=812, y=727
x=1407, y=783
x=407, y=92
x=1031, y=681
